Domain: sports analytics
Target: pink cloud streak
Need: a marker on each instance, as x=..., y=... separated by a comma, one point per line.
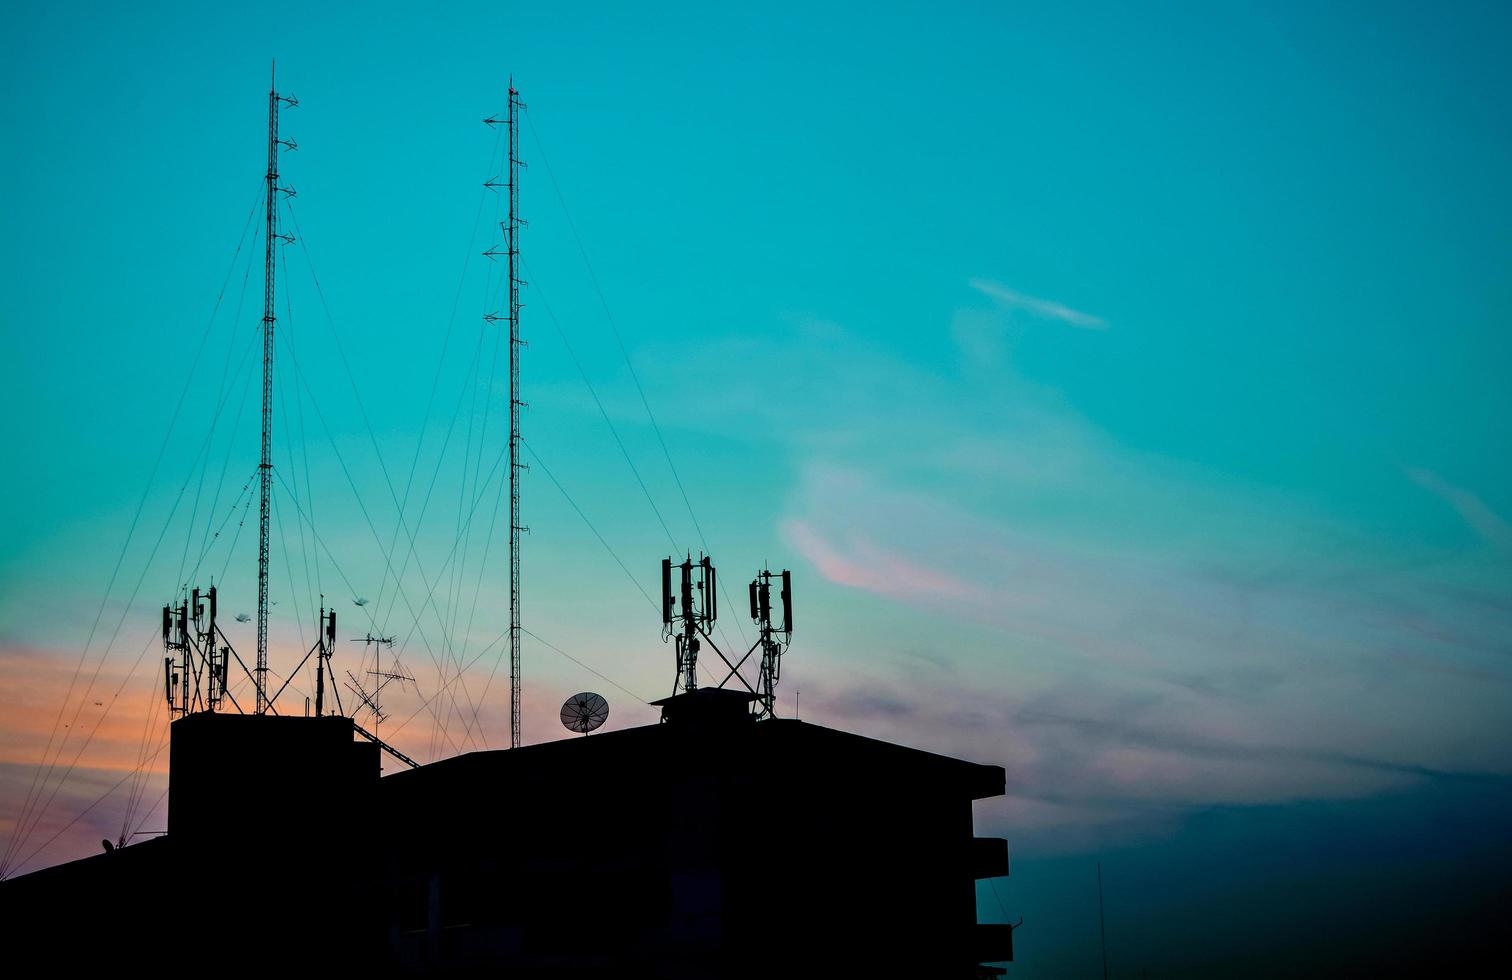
x=871, y=567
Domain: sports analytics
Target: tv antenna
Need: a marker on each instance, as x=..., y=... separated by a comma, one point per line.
x=366, y=699
x=582, y=713
x=381, y=678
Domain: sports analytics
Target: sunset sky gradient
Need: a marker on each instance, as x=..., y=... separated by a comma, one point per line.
x=1126, y=388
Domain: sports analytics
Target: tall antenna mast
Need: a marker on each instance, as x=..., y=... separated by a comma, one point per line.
x=265, y=464
x=511, y=229
x=512, y=244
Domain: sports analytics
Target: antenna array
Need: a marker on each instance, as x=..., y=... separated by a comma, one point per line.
x=194, y=671
x=198, y=651
x=689, y=610
x=325, y=646
x=773, y=639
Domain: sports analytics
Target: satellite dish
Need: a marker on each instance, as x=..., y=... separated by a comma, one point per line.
x=584, y=712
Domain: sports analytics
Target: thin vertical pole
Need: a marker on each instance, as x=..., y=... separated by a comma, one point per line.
x=320, y=653
x=265, y=465
x=1101, y=925
x=512, y=246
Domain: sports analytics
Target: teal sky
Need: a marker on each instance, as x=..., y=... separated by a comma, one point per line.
x=1126, y=387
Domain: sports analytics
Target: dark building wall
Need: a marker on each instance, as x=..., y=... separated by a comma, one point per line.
x=689, y=851
x=266, y=850
x=265, y=777
x=266, y=816
x=867, y=855
x=88, y=914
x=679, y=850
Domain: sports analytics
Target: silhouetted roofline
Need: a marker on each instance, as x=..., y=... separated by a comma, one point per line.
x=142, y=855
x=981, y=781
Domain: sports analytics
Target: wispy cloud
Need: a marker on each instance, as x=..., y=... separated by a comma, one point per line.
x=1244, y=646
x=1490, y=525
x=1045, y=309
x=1237, y=648
x=863, y=564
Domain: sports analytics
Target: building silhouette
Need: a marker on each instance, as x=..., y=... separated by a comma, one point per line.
x=710, y=845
